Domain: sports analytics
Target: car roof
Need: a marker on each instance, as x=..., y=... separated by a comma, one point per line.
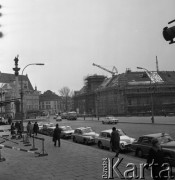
x=109, y=130
x=63, y=126
x=155, y=135
x=81, y=128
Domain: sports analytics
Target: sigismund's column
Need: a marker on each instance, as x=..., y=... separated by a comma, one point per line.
x=16, y=69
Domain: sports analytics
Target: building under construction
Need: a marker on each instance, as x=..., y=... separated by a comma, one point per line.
x=129, y=93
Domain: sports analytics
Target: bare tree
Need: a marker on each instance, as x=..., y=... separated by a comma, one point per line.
x=66, y=94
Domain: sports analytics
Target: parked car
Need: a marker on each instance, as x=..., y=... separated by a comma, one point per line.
x=64, y=115
x=40, y=125
x=103, y=140
x=66, y=132
x=47, y=129
x=109, y=120
x=5, y=130
x=84, y=135
x=143, y=145
x=55, y=116
x=72, y=115
x=58, y=118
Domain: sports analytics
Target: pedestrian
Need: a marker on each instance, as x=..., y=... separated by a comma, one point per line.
x=115, y=141
x=20, y=129
x=56, y=135
x=29, y=128
x=17, y=126
x=10, y=119
x=156, y=160
x=35, y=128
x=12, y=129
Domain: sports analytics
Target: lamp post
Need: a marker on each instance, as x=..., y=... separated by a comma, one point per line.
x=2, y=94
x=152, y=103
x=22, y=93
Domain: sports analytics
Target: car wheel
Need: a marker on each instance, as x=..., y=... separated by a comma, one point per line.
x=102, y=122
x=122, y=146
x=100, y=145
x=85, y=142
x=139, y=153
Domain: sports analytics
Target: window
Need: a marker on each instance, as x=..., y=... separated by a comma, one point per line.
x=103, y=134
x=108, y=135
x=48, y=105
x=146, y=140
x=25, y=85
x=129, y=102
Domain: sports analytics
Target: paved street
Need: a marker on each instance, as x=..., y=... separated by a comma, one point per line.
x=71, y=161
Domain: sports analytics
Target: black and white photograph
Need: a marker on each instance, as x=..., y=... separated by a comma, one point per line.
x=87, y=89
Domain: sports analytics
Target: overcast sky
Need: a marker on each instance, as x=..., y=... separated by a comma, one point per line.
x=69, y=35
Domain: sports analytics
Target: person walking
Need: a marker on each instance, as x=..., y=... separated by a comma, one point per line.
x=20, y=130
x=56, y=135
x=13, y=129
x=115, y=141
x=156, y=160
x=17, y=125
x=29, y=129
x=35, y=128
x=10, y=120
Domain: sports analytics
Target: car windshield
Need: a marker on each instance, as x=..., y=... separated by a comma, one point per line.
x=165, y=139
x=110, y=117
x=51, y=125
x=87, y=130
x=66, y=128
x=121, y=133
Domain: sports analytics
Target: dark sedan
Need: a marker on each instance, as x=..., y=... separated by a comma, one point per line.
x=143, y=145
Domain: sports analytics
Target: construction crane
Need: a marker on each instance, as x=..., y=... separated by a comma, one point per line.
x=113, y=72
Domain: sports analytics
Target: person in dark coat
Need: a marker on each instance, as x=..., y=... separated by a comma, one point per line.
x=17, y=125
x=20, y=130
x=156, y=160
x=10, y=120
x=115, y=141
x=29, y=128
x=56, y=135
x=35, y=128
x=12, y=129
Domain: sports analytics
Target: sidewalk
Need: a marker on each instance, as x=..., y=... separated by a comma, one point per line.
x=71, y=161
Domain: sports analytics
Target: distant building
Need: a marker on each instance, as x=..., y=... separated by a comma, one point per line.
x=129, y=93
x=50, y=102
x=11, y=103
x=85, y=99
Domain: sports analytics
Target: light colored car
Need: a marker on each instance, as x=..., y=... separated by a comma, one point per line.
x=5, y=130
x=47, y=129
x=109, y=120
x=66, y=132
x=84, y=135
x=58, y=118
x=103, y=140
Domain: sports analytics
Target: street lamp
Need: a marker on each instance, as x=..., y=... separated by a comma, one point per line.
x=152, y=103
x=2, y=94
x=22, y=94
